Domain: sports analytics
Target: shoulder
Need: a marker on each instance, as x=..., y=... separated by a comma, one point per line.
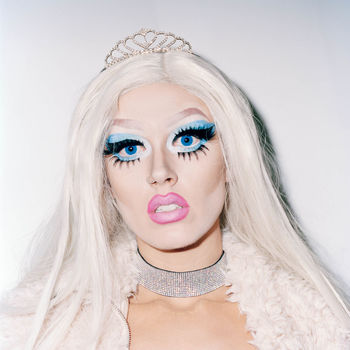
x=280, y=306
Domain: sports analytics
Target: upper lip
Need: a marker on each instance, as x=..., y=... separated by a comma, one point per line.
x=170, y=198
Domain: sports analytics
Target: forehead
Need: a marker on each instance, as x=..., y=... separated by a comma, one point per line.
x=159, y=103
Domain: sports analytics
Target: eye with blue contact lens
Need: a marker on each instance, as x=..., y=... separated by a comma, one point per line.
x=125, y=150
x=186, y=140
x=191, y=138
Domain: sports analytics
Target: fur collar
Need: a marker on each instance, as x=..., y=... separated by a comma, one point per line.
x=282, y=311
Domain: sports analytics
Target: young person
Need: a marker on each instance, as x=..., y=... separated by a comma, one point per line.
x=170, y=232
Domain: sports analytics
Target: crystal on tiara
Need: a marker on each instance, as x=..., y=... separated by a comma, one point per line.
x=146, y=41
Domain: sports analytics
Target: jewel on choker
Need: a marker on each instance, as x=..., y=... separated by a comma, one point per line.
x=146, y=41
x=181, y=284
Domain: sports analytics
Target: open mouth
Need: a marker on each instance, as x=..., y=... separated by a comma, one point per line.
x=166, y=208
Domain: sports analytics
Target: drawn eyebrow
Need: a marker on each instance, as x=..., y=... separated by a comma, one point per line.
x=116, y=137
x=184, y=114
x=135, y=124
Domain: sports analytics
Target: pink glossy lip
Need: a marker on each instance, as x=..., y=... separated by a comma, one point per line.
x=170, y=216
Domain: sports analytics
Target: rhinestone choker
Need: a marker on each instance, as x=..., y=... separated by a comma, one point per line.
x=181, y=284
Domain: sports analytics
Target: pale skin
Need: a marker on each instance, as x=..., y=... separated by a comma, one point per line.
x=208, y=321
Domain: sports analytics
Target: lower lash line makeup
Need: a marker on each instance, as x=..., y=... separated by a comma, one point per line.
x=187, y=139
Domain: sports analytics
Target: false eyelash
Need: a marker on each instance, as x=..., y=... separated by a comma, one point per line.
x=116, y=147
x=200, y=148
x=113, y=148
x=116, y=160
x=201, y=133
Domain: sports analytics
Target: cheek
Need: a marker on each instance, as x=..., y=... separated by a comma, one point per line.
x=210, y=198
x=206, y=175
x=124, y=181
x=203, y=184
x=213, y=191
x=126, y=190
x=130, y=192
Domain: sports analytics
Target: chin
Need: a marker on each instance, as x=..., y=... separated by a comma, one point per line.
x=169, y=242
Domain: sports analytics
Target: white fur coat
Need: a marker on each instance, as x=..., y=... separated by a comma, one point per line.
x=282, y=311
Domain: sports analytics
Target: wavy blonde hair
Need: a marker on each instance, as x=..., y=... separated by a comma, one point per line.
x=77, y=241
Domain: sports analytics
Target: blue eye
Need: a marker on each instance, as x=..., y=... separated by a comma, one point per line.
x=191, y=138
x=131, y=150
x=186, y=140
x=124, y=149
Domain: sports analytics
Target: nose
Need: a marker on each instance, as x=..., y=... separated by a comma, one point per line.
x=161, y=171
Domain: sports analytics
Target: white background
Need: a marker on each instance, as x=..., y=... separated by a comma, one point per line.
x=290, y=57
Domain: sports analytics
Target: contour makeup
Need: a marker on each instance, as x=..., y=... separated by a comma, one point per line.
x=168, y=208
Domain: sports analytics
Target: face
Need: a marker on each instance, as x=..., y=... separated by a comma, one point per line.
x=165, y=165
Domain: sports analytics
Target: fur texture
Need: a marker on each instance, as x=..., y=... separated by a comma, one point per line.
x=282, y=310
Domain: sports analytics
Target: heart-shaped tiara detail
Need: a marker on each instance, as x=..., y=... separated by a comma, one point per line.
x=146, y=41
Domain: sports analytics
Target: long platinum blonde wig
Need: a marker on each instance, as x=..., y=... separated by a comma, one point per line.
x=78, y=241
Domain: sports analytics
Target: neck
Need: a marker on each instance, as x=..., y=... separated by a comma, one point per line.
x=201, y=254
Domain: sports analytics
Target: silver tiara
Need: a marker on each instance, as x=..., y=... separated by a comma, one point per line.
x=146, y=41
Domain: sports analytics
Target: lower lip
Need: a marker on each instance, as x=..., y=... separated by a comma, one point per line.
x=167, y=217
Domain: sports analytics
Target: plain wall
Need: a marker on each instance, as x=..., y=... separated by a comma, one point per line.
x=290, y=57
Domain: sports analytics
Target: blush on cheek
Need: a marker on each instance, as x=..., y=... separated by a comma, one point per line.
x=129, y=217
x=216, y=197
